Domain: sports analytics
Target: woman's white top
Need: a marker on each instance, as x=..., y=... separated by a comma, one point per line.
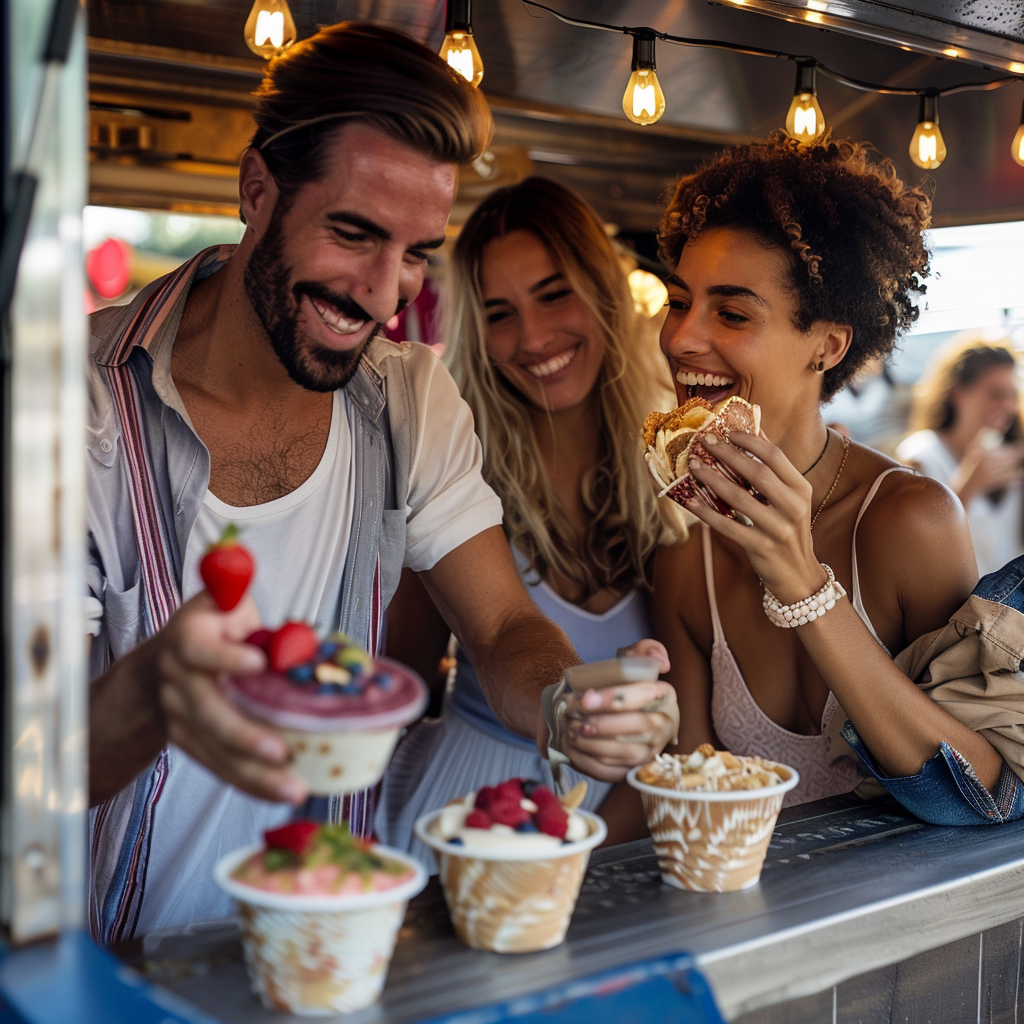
x=996, y=526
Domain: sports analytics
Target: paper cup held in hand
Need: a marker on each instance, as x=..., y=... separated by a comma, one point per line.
x=318, y=955
x=339, y=743
x=712, y=841
x=510, y=902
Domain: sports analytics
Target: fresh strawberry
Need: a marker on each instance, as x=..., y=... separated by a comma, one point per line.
x=295, y=837
x=542, y=795
x=260, y=638
x=227, y=569
x=478, y=819
x=485, y=797
x=510, y=790
x=551, y=818
x=504, y=811
x=291, y=645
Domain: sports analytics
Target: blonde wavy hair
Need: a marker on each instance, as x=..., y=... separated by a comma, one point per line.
x=959, y=364
x=624, y=522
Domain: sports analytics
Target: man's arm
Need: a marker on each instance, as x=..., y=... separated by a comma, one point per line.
x=166, y=691
x=517, y=651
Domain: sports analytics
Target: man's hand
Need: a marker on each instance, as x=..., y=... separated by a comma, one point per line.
x=170, y=690
x=619, y=727
x=200, y=646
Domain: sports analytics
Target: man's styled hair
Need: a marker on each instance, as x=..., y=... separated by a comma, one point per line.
x=354, y=71
x=851, y=229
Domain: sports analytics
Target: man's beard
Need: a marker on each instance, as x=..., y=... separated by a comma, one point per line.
x=313, y=366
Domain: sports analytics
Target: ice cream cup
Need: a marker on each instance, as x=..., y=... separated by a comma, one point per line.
x=510, y=902
x=339, y=743
x=318, y=955
x=712, y=841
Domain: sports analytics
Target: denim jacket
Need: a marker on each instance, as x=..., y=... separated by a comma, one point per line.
x=972, y=667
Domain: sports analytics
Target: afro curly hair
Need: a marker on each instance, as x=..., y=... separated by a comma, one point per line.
x=852, y=229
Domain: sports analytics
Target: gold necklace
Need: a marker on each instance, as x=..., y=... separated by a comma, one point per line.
x=846, y=451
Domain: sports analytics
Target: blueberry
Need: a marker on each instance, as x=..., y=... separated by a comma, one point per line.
x=351, y=688
x=331, y=688
x=383, y=681
x=529, y=785
x=326, y=651
x=456, y=841
x=301, y=673
x=527, y=826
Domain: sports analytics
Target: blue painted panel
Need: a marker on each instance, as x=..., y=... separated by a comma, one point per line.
x=667, y=990
x=71, y=979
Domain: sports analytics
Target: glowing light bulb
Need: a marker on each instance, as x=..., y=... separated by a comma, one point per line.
x=1017, y=147
x=804, y=120
x=648, y=291
x=270, y=28
x=459, y=50
x=927, y=147
x=643, y=102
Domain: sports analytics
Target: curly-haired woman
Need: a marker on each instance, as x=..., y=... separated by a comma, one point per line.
x=544, y=342
x=791, y=267
x=967, y=433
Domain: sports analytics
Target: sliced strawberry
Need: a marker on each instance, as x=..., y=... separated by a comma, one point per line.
x=227, y=569
x=260, y=638
x=478, y=819
x=510, y=790
x=542, y=795
x=291, y=645
x=295, y=837
x=508, y=812
x=485, y=797
x=552, y=819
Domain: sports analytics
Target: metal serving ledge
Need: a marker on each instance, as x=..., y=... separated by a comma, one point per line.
x=848, y=888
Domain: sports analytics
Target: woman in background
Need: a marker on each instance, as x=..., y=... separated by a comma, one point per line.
x=544, y=342
x=968, y=430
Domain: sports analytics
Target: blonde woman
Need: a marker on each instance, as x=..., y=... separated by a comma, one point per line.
x=546, y=347
x=967, y=434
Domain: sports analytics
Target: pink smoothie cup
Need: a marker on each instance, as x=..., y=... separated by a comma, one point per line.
x=318, y=955
x=339, y=742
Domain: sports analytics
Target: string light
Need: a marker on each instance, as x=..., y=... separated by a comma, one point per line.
x=927, y=148
x=643, y=102
x=805, y=121
x=270, y=28
x=459, y=48
x=1017, y=147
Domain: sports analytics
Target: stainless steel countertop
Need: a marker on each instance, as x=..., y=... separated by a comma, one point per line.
x=847, y=887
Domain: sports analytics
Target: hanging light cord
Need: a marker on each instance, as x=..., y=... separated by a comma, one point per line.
x=756, y=51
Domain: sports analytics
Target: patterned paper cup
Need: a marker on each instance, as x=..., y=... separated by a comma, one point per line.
x=712, y=841
x=318, y=955
x=338, y=743
x=507, y=903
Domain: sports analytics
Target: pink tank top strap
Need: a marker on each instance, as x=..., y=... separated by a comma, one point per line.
x=709, y=579
x=855, y=597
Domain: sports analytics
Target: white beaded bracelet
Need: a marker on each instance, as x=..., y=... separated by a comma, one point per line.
x=788, y=616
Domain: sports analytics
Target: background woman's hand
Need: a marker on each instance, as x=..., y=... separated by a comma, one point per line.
x=984, y=469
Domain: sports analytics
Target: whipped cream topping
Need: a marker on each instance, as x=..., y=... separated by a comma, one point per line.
x=711, y=770
x=450, y=825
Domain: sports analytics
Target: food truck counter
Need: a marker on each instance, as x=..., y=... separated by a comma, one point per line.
x=848, y=888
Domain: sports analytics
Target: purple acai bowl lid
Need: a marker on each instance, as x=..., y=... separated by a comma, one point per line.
x=274, y=698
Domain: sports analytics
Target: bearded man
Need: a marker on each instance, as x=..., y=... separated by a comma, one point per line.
x=250, y=386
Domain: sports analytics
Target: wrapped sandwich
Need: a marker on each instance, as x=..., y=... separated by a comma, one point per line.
x=673, y=438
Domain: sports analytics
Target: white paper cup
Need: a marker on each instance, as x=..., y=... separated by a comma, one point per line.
x=713, y=841
x=318, y=955
x=509, y=902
